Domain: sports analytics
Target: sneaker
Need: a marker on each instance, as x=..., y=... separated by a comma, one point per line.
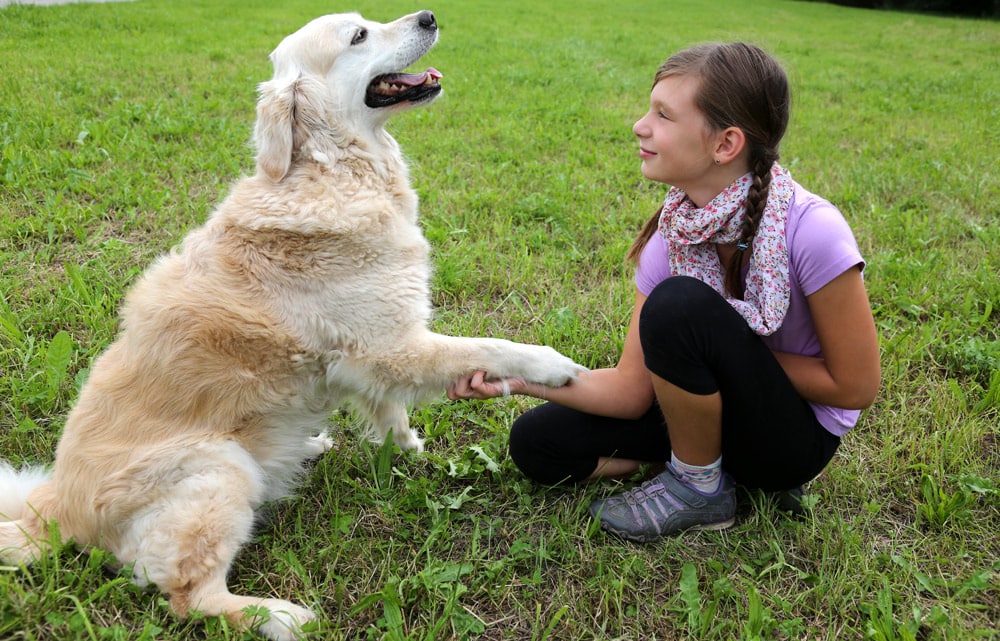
x=791, y=500
x=665, y=505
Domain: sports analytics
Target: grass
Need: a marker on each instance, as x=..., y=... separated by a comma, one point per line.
x=122, y=124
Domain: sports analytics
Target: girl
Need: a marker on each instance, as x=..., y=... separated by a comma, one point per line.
x=751, y=349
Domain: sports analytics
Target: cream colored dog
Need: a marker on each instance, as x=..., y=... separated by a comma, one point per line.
x=305, y=290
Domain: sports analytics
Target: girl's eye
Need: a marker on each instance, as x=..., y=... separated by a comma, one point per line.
x=359, y=37
x=663, y=115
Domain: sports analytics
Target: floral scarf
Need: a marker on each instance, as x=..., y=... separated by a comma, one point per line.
x=692, y=234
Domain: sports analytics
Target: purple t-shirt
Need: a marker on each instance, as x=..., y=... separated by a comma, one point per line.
x=821, y=247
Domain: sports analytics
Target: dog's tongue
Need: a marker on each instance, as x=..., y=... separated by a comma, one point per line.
x=392, y=89
x=417, y=79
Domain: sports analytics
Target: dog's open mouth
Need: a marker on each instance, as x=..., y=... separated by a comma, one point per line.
x=394, y=88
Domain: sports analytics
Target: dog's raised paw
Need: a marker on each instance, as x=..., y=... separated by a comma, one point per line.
x=553, y=369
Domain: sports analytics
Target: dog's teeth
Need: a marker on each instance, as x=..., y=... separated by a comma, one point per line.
x=383, y=86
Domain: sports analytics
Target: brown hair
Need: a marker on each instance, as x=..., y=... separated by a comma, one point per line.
x=740, y=85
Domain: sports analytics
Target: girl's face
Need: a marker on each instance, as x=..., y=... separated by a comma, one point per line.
x=675, y=142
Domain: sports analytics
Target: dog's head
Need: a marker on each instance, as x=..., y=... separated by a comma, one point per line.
x=336, y=81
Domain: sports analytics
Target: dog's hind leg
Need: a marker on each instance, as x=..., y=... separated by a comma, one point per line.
x=198, y=582
x=186, y=542
x=276, y=619
x=25, y=539
x=19, y=545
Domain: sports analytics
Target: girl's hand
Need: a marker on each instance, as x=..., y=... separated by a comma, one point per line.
x=477, y=386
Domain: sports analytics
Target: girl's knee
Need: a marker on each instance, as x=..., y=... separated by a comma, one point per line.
x=677, y=312
x=683, y=325
x=679, y=300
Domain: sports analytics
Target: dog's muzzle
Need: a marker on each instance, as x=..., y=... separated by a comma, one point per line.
x=393, y=88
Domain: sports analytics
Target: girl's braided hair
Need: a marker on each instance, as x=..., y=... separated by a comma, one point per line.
x=740, y=85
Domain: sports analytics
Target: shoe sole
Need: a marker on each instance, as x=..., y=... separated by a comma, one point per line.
x=719, y=525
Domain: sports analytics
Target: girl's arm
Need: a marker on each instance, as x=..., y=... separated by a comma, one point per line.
x=623, y=391
x=849, y=374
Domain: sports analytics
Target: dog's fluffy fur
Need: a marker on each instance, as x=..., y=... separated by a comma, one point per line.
x=305, y=290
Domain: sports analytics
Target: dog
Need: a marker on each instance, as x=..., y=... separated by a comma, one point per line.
x=305, y=290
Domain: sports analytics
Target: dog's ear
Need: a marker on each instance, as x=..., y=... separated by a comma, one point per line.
x=289, y=112
x=273, y=135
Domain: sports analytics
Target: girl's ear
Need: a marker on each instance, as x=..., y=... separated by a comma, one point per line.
x=730, y=143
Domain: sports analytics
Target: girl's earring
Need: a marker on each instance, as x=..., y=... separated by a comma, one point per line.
x=717, y=161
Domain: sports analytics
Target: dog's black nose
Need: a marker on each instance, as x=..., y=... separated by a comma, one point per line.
x=426, y=20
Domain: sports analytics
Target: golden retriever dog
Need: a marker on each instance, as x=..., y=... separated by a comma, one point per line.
x=305, y=290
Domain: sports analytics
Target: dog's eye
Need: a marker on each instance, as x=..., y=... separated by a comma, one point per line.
x=359, y=37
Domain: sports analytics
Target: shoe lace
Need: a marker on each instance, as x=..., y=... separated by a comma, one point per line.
x=652, y=488
x=645, y=491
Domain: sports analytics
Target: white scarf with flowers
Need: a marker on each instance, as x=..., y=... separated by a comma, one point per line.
x=692, y=235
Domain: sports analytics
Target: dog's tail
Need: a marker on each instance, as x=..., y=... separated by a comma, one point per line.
x=15, y=486
x=21, y=531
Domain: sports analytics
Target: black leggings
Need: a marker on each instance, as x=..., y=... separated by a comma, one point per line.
x=691, y=337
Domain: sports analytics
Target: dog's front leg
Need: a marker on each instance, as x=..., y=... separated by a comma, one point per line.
x=387, y=416
x=319, y=445
x=427, y=362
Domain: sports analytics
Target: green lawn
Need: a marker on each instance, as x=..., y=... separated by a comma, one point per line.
x=122, y=124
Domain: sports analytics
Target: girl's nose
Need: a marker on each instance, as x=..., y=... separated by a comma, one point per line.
x=639, y=128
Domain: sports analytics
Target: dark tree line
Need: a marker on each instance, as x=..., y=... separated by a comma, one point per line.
x=973, y=8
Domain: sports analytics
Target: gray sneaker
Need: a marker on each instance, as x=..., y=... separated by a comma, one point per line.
x=792, y=501
x=666, y=505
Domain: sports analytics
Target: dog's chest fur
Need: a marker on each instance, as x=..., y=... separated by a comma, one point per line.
x=333, y=254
